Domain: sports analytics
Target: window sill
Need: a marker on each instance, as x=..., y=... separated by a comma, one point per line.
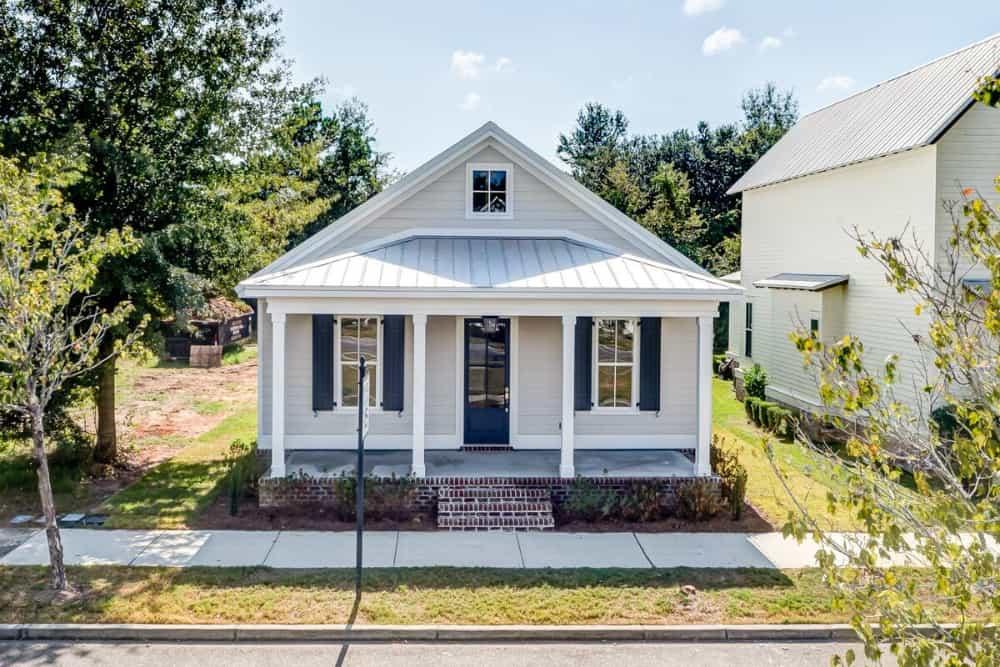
x=615, y=411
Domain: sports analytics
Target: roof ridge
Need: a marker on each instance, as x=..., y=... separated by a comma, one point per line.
x=994, y=36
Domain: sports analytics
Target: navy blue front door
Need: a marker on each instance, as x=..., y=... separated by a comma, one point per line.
x=487, y=393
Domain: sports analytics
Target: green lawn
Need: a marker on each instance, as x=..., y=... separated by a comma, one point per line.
x=425, y=595
x=808, y=481
x=175, y=491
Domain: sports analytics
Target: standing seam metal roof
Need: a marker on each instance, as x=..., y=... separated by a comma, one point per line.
x=501, y=263
x=905, y=112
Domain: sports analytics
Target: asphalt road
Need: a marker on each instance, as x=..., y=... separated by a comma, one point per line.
x=417, y=654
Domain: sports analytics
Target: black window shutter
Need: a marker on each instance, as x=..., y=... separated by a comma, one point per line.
x=581, y=363
x=649, y=363
x=393, y=361
x=322, y=357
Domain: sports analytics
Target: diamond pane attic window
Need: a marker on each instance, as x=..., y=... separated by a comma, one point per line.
x=488, y=191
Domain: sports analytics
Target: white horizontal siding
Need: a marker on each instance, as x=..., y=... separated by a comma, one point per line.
x=802, y=226
x=968, y=157
x=442, y=204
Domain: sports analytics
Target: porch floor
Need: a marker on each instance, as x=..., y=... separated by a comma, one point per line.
x=516, y=463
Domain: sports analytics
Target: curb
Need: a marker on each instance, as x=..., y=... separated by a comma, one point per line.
x=425, y=633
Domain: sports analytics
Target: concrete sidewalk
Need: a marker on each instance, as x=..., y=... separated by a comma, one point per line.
x=318, y=549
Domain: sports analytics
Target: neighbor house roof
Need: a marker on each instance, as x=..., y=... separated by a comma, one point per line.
x=811, y=282
x=909, y=111
x=478, y=264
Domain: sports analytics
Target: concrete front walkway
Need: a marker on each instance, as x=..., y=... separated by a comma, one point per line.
x=317, y=549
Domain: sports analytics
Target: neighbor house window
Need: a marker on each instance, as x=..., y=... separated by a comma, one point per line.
x=748, y=332
x=814, y=326
x=489, y=191
x=616, y=363
x=359, y=337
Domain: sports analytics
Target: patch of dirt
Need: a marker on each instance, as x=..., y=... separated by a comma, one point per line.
x=751, y=522
x=251, y=517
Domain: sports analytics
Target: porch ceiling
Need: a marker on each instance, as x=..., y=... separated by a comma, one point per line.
x=475, y=263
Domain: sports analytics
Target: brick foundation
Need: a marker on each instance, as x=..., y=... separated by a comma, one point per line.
x=303, y=490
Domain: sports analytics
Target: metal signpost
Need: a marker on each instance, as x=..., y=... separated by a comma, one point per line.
x=363, y=421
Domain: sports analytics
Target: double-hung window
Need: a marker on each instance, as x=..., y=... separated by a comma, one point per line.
x=489, y=191
x=616, y=363
x=358, y=336
x=748, y=332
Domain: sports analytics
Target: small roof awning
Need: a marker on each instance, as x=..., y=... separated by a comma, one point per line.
x=981, y=286
x=810, y=282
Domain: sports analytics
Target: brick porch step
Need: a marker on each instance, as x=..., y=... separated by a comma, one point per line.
x=478, y=522
x=492, y=493
x=494, y=507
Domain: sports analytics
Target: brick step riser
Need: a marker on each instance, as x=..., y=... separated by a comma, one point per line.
x=497, y=523
x=473, y=508
x=492, y=493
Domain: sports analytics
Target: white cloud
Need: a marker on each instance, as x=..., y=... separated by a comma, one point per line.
x=504, y=64
x=466, y=64
x=695, y=7
x=835, y=82
x=721, y=40
x=470, y=102
x=770, y=42
x=789, y=32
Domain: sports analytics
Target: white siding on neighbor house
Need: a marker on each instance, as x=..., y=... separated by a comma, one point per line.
x=802, y=226
x=537, y=393
x=968, y=157
x=442, y=204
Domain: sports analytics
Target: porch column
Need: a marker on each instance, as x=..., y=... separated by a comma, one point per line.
x=566, y=467
x=702, y=458
x=277, y=395
x=419, y=392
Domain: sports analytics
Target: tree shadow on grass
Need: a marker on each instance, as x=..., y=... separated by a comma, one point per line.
x=172, y=493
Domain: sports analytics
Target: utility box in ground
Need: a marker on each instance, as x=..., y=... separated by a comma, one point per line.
x=206, y=356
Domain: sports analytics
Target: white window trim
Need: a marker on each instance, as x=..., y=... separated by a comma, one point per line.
x=748, y=329
x=633, y=407
x=339, y=363
x=487, y=166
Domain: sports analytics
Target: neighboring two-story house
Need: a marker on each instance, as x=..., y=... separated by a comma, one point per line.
x=889, y=160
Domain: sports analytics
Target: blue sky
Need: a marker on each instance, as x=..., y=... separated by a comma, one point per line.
x=432, y=71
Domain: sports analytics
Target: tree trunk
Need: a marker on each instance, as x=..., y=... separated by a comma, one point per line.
x=58, y=568
x=106, y=449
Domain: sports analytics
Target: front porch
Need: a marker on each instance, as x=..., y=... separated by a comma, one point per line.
x=542, y=464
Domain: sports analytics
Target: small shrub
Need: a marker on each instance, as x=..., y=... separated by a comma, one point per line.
x=642, y=502
x=390, y=498
x=588, y=502
x=697, y=500
x=732, y=474
x=241, y=480
x=755, y=381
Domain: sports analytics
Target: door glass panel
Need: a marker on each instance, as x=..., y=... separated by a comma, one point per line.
x=495, y=387
x=477, y=344
x=477, y=387
x=623, y=386
x=497, y=347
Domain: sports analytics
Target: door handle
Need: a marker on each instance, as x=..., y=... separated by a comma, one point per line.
x=506, y=399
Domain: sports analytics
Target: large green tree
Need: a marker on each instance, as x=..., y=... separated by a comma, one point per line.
x=676, y=183
x=157, y=99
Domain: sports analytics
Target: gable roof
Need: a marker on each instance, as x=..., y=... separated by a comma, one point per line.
x=906, y=112
x=489, y=134
x=501, y=265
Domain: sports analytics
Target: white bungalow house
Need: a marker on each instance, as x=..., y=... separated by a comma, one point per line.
x=502, y=306
x=891, y=160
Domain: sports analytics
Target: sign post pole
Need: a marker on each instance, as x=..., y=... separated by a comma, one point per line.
x=360, y=496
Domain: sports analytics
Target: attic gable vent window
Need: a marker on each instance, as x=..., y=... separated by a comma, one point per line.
x=489, y=191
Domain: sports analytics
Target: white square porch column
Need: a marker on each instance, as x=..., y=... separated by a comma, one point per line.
x=566, y=466
x=702, y=457
x=277, y=394
x=419, y=392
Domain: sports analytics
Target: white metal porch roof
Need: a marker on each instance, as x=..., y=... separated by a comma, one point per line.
x=473, y=263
